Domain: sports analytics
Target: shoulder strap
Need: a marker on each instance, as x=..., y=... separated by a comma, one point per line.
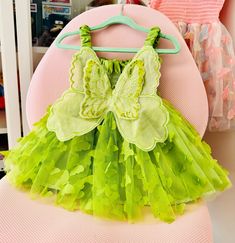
x=85, y=36
x=153, y=37
x=151, y=40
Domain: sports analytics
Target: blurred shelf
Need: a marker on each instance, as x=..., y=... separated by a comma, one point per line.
x=57, y=3
x=3, y=126
x=39, y=49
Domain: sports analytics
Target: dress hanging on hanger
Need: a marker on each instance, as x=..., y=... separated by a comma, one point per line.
x=212, y=48
x=111, y=146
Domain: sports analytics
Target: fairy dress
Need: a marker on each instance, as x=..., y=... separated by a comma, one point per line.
x=111, y=146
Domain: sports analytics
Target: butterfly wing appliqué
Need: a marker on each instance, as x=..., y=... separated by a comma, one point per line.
x=140, y=115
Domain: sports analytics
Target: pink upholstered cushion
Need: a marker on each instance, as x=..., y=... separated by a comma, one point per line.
x=23, y=220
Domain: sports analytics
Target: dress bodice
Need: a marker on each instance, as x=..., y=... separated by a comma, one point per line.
x=115, y=67
x=125, y=89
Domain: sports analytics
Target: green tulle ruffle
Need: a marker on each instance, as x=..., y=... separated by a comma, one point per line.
x=101, y=174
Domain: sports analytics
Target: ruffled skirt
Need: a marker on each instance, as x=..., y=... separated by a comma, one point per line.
x=101, y=174
x=212, y=48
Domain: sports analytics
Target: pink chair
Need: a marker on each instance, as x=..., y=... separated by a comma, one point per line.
x=25, y=220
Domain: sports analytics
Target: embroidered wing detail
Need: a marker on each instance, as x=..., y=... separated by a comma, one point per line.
x=65, y=120
x=97, y=90
x=128, y=89
x=67, y=114
x=141, y=117
x=79, y=61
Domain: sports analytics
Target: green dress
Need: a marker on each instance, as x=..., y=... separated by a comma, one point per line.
x=111, y=146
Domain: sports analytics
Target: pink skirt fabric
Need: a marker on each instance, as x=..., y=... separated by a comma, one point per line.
x=212, y=48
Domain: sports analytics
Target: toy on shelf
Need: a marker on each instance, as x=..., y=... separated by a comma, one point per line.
x=48, y=20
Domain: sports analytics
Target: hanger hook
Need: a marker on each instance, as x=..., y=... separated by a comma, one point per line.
x=122, y=8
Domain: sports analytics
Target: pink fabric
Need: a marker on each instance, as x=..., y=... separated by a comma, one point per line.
x=193, y=11
x=185, y=91
x=212, y=48
x=26, y=221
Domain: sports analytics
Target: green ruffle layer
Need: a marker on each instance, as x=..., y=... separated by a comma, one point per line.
x=101, y=174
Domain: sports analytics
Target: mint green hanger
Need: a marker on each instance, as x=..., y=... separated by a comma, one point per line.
x=119, y=19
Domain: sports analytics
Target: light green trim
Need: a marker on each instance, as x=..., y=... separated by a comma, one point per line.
x=128, y=88
x=97, y=89
x=79, y=61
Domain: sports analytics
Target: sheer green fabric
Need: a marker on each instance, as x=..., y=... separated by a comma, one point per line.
x=102, y=174
x=99, y=170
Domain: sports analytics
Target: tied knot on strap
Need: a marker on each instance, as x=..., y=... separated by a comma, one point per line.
x=153, y=37
x=85, y=36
